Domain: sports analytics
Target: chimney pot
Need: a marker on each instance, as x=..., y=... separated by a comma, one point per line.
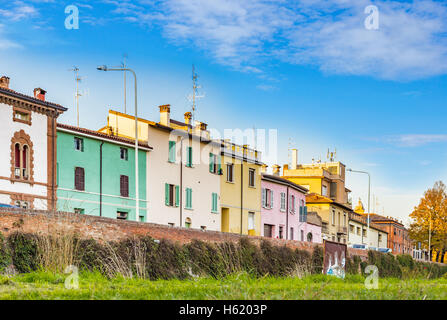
x=39, y=93
x=188, y=116
x=294, y=159
x=264, y=168
x=4, y=82
x=165, y=115
x=276, y=169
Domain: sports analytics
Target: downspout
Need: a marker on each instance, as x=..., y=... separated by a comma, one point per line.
x=287, y=218
x=181, y=182
x=100, y=178
x=54, y=164
x=242, y=192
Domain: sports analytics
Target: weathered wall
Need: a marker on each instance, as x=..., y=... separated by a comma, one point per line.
x=107, y=229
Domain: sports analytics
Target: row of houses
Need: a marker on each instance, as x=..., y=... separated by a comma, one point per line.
x=185, y=178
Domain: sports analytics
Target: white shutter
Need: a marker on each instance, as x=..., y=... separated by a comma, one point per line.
x=271, y=198
x=263, y=197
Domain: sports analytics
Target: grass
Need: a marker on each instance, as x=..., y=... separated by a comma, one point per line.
x=46, y=285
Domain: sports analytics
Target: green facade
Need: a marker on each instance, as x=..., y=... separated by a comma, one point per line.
x=113, y=167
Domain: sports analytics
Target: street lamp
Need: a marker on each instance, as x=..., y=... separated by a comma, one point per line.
x=369, y=191
x=137, y=193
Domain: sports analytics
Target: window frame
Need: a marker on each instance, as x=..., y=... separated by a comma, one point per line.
x=126, y=154
x=81, y=182
x=81, y=144
x=124, y=186
x=251, y=176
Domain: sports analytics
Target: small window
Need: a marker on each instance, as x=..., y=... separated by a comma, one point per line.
x=188, y=222
x=214, y=164
x=302, y=235
x=124, y=186
x=251, y=221
x=124, y=154
x=172, y=195
x=142, y=219
x=230, y=170
x=281, y=232
x=251, y=177
x=79, y=179
x=189, y=157
x=121, y=215
x=23, y=116
x=309, y=237
x=291, y=233
x=283, y=201
x=324, y=190
x=172, y=151
x=188, y=204
x=79, y=144
x=214, y=202
x=203, y=228
x=79, y=210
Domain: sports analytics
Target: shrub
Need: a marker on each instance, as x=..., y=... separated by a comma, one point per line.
x=386, y=263
x=5, y=254
x=317, y=260
x=166, y=260
x=24, y=251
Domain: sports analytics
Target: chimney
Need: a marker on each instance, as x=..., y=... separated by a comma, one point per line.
x=4, y=82
x=165, y=115
x=264, y=168
x=294, y=159
x=188, y=116
x=276, y=170
x=39, y=93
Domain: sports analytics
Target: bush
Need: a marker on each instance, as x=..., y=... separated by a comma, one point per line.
x=353, y=265
x=5, y=254
x=317, y=260
x=24, y=251
x=387, y=264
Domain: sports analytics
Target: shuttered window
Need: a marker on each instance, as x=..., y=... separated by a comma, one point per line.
x=172, y=195
x=79, y=179
x=171, y=151
x=188, y=204
x=283, y=201
x=124, y=186
x=214, y=202
x=189, y=156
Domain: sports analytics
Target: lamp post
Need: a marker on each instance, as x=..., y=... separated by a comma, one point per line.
x=369, y=192
x=137, y=193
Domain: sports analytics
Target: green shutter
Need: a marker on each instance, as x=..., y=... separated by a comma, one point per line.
x=189, y=198
x=305, y=214
x=177, y=196
x=167, y=194
x=171, y=151
x=219, y=167
x=211, y=162
x=189, y=157
x=214, y=202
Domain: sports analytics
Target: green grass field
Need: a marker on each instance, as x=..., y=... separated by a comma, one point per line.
x=42, y=285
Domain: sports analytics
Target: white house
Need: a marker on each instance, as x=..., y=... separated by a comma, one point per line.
x=183, y=181
x=358, y=232
x=28, y=132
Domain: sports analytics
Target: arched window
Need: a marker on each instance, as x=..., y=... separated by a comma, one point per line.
x=22, y=157
x=309, y=237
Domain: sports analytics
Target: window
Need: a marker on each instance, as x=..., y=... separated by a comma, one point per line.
x=188, y=204
x=22, y=116
x=281, y=232
x=303, y=212
x=79, y=210
x=121, y=215
x=172, y=151
x=79, y=144
x=292, y=208
x=230, y=170
x=333, y=217
x=333, y=189
x=188, y=223
x=189, y=157
x=79, y=179
x=124, y=154
x=124, y=186
x=21, y=157
x=214, y=202
x=291, y=233
x=203, y=228
x=214, y=164
x=22, y=204
x=302, y=235
x=309, y=237
x=171, y=224
x=283, y=201
x=364, y=233
x=351, y=228
x=267, y=198
x=251, y=177
x=380, y=237
x=268, y=230
x=251, y=221
x=358, y=231
x=172, y=195
x=141, y=218
x=324, y=190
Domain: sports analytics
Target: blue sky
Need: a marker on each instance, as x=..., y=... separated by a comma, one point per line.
x=309, y=69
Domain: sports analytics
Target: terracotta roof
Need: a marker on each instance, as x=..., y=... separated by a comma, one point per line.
x=131, y=142
x=316, y=198
x=31, y=99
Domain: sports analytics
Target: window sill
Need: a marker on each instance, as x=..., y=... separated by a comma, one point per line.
x=232, y=182
x=215, y=212
x=28, y=122
x=189, y=209
x=252, y=187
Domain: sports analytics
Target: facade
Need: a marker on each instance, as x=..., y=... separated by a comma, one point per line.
x=183, y=173
x=96, y=174
x=240, y=197
x=398, y=238
x=28, y=171
x=284, y=212
x=334, y=217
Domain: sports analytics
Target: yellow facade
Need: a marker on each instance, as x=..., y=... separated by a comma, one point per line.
x=240, y=203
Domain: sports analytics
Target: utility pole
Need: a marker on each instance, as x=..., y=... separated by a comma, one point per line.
x=429, y=237
x=125, y=87
x=194, y=95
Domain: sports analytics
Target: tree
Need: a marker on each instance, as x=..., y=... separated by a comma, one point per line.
x=432, y=209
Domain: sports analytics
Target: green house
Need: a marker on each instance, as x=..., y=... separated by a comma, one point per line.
x=96, y=174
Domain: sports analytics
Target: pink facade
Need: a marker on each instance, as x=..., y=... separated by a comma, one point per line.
x=283, y=211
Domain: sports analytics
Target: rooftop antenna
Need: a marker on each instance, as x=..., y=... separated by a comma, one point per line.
x=331, y=155
x=123, y=64
x=194, y=95
x=77, y=93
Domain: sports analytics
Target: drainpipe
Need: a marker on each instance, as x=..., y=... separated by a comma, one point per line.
x=242, y=192
x=100, y=178
x=181, y=181
x=287, y=217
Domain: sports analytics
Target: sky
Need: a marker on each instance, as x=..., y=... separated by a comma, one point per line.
x=315, y=71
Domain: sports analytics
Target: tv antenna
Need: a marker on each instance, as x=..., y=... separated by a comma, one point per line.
x=77, y=93
x=194, y=96
x=331, y=155
x=123, y=65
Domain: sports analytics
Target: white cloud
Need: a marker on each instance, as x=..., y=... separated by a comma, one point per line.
x=19, y=11
x=409, y=44
x=416, y=140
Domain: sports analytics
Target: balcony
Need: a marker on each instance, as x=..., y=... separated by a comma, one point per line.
x=342, y=230
x=324, y=229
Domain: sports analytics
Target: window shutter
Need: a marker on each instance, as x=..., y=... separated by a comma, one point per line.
x=190, y=198
x=124, y=186
x=263, y=197
x=219, y=167
x=17, y=155
x=305, y=214
x=189, y=157
x=211, y=163
x=177, y=196
x=167, y=194
x=171, y=151
x=271, y=198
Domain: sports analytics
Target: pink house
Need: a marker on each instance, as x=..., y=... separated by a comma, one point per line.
x=284, y=212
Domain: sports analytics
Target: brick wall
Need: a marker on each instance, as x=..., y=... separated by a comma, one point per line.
x=106, y=229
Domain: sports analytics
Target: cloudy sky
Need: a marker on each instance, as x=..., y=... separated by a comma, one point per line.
x=309, y=69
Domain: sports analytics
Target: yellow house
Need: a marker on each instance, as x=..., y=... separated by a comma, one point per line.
x=240, y=198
